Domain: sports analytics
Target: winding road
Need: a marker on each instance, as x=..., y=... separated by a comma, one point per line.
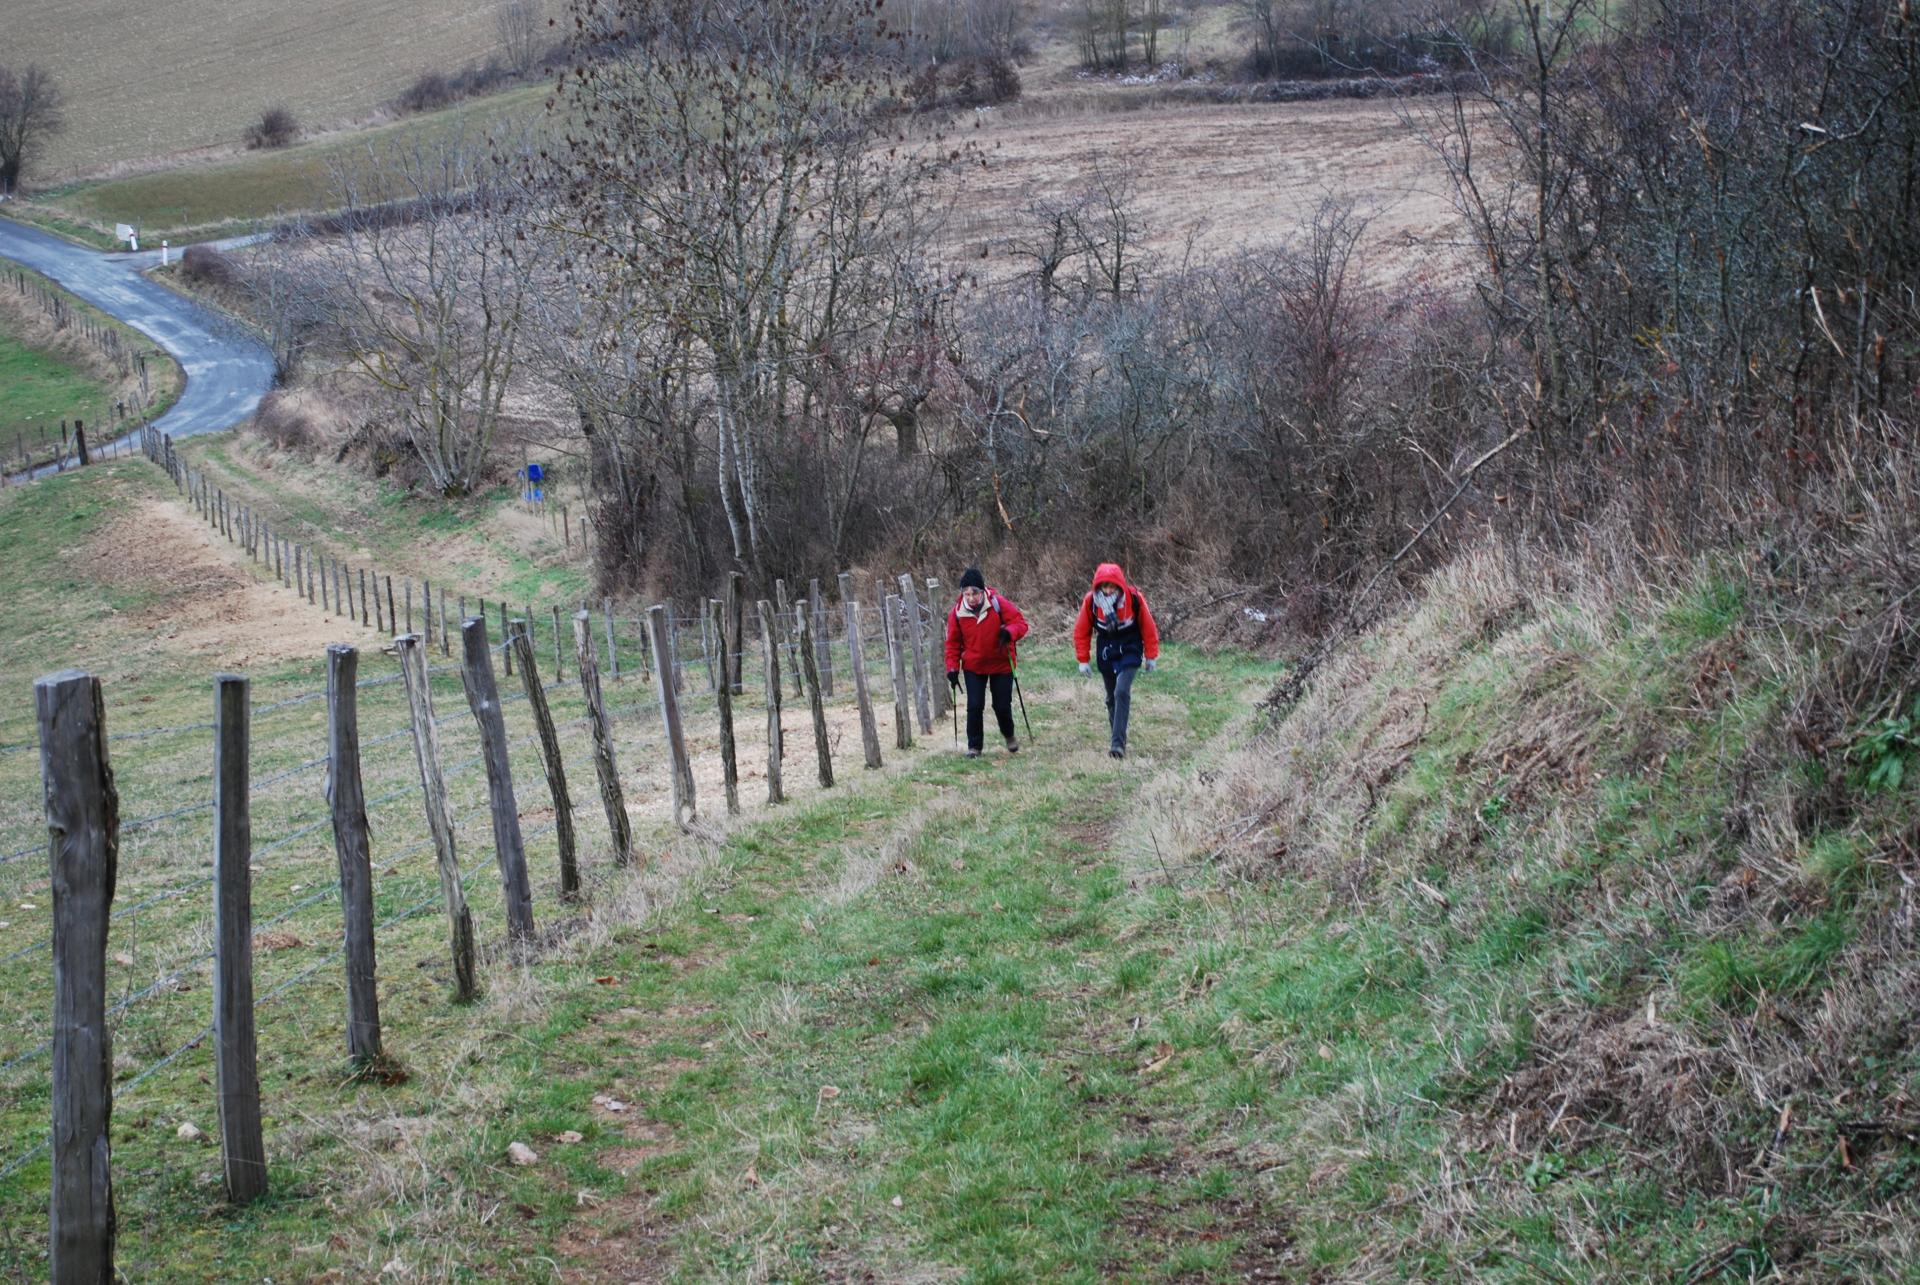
x=228, y=369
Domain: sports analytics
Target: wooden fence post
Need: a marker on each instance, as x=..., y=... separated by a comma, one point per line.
x=937, y=653
x=391, y=618
x=559, y=666
x=520, y=633
x=646, y=661
x=613, y=653
x=673, y=650
x=895, y=633
x=237, y=1073
x=366, y=617
x=506, y=632
x=857, y=663
x=83, y=833
x=323, y=584
x=810, y=667
x=783, y=615
x=736, y=630
x=510, y=849
x=353, y=850
x=610, y=796
x=446, y=637
x=407, y=595
x=679, y=771
x=822, y=645
x=729, y=760
x=433, y=786
x=915, y=638
x=770, y=653
x=707, y=642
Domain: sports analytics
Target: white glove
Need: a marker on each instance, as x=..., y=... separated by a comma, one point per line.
x=1085, y=669
x=1151, y=664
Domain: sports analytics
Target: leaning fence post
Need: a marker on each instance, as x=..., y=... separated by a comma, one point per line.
x=783, y=613
x=915, y=638
x=610, y=797
x=897, y=666
x=83, y=841
x=729, y=759
x=810, y=667
x=510, y=850
x=243, y=1154
x=679, y=771
x=770, y=652
x=869, y=734
x=352, y=848
x=520, y=635
x=506, y=632
x=433, y=786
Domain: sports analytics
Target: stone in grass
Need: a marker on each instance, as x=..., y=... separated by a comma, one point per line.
x=569, y=1136
x=189, y=1132
x=521, y=1154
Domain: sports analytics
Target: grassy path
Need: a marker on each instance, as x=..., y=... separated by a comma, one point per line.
x=903, y=1035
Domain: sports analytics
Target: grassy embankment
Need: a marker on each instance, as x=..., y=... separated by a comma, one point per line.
x=205, y=201
x=50, y=374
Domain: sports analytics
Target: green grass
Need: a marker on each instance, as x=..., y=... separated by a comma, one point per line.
x=43, y=388
x=201, y=202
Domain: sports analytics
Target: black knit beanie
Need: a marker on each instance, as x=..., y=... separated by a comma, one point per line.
x=972, y=579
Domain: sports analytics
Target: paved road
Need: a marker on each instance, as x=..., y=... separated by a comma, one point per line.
x=228, y=369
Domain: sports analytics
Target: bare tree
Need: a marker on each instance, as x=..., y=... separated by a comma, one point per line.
x=729, y=189
x=30, y=114
x=518, y=22
x=288, y=297
x=429, y=290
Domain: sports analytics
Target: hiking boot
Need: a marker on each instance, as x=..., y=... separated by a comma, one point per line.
x=973, y=753
x=1117, y=752
x=1013, y=746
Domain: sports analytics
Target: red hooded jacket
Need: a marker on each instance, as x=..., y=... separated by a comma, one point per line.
x=973, y=641
x=1131, y=618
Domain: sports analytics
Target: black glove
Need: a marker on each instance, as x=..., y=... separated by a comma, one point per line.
x=1006, y=637
x=953, y=678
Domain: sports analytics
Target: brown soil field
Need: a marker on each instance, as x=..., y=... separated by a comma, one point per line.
x=148, y=81
x=1222, y=177
x=221, y=607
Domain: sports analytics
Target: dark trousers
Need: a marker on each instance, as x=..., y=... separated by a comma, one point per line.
x=977, y=685
x=1119, y=701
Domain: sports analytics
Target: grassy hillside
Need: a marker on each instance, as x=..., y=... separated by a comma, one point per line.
x=152, y=81
x=1560, y=932
x=198, y=202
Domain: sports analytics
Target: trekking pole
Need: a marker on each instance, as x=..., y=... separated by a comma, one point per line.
x=1023, y=704
x=953, y=707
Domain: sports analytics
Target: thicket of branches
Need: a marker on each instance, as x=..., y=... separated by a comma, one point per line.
x=1690, y=305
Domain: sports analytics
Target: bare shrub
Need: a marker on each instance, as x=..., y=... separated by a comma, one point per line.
x=280, y=421
x=277, y=127
x=205, y=266
x=429, y=91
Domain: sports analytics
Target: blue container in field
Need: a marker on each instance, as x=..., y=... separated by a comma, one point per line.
x=535, y=475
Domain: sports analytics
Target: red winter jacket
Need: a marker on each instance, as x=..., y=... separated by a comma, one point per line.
x=1130, y=637
x=973, y=641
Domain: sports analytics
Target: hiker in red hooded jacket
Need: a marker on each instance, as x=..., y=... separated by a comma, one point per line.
x=982, y=629
x=1116, y=613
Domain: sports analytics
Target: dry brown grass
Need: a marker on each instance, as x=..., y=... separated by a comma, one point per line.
x=145, y=82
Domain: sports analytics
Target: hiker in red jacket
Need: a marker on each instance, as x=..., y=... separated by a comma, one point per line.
x=1117, y=614
x=982, y=629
